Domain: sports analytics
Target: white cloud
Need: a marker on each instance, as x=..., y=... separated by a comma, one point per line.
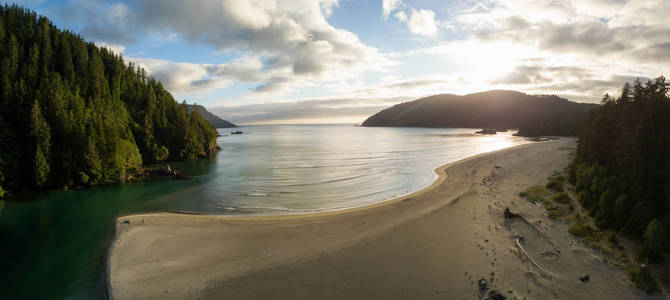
x=388, y=6
x=292, y=37
x=287, y=47
x=327, y=7
x=118, y=49
x=343, y=109
x=422, y=22
x=181, y=77
x=401, y=16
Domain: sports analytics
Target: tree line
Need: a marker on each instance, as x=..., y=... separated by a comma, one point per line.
x=72, y=113
x=622, y=168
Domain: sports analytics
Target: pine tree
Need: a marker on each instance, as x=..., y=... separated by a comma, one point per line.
x=656, y=240
x=41, y=134
x=622, y=170
x=90, y=117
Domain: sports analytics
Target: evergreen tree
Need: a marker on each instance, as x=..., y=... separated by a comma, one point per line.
x=622, y=170
x=40, y=132
x=90, y=117
x=656, y=239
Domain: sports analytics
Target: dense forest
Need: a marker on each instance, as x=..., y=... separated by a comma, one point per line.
x=532, y=115
x=622, y=167
x=75, y=114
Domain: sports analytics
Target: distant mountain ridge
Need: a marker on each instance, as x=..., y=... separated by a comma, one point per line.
x=212, y=118
x=532, y=115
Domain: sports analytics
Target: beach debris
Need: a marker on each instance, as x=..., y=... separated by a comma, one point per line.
x=483, y=284
x=498, y=167
x=584, y=278
x=518, y=243
x=126, y=222
x=509, y=214
x=495, y=295
x=541, y=138
x=236, y=132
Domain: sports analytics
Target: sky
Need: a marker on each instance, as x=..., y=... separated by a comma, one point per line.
x=330, y=61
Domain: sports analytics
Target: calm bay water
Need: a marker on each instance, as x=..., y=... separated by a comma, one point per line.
x=54, y=247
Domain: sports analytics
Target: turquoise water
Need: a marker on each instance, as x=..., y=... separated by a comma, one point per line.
x=54, y=246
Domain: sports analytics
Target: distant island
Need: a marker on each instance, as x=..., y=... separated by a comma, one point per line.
x=532, y=115
x=73, y=114
x=212, y=118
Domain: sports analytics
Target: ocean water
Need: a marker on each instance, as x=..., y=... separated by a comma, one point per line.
x=54, y=246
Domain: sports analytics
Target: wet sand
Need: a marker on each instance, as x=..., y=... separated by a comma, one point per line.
x=435, y=243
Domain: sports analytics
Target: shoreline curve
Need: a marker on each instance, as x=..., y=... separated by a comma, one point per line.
x=440, y=171
x=416, y=246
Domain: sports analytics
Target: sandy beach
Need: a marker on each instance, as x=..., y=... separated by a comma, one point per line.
x=435, y=243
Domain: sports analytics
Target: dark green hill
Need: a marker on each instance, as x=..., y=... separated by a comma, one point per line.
x=532, y=115
x=212, y=118
x=72, y=113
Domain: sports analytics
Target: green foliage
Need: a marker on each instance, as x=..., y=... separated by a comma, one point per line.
x=127, y=160
x=582, y=229
x=557, y=211
x=160, y=153
x=593, y=237
x=655, y=240
x=556, y=183
x=533, y=194
x=621, y=170
x=73, y=113
x=40, y=132
x=643, y=280
x=562, y=198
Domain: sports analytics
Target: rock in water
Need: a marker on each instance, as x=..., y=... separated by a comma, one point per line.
x=486, y=131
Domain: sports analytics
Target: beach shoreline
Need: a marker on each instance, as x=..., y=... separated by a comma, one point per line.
x=167, y=255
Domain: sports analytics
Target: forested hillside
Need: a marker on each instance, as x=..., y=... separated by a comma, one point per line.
x=75, y=114
x=622, y=166
x=212, y=118
x=532, y=115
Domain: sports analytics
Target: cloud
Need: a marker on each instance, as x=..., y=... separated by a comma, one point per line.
x=246, y=69
x=422, y=22
x=292, y=37
x=181, y=77
x=328, y=6
x=388, y=6
x=118, y=49
x=401, y=16
x=588, y=90
x=590, y=36
x=189, y=77
x=659, y=52
x=627, y=32
x=114, y=26
x=337, y=108
x=580, y=49
x=405, y=87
